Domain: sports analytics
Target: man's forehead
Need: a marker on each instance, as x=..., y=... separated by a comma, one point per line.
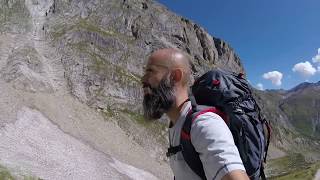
x=156, y=65
x=158, y=61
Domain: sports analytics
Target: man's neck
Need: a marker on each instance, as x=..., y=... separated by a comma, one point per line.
x=175, y=112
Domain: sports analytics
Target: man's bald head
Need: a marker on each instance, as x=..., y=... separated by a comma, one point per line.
x=172, y=58
x=165, y=83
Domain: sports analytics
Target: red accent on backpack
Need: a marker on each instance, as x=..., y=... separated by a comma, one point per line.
x=216, y=82
x=241, y=75
x=216, y=111
x=185, y=135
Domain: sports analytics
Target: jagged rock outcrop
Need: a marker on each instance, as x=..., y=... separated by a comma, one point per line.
x=112, y=42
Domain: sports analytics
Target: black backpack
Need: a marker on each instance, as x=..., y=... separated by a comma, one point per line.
x=228, y=95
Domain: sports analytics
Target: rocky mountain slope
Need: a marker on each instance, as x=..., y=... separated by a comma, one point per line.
x=70, y=101
x=294, y=115
x=302, y=105
x=295, y=111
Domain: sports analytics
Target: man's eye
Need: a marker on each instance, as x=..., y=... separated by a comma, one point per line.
x=149, y=70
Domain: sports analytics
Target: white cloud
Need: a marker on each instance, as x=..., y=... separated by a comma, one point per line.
x=304, y=68
x=317, y=57
x=260, y=86
x=274, y=76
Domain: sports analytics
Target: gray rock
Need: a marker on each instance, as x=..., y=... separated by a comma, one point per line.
x=26, y=71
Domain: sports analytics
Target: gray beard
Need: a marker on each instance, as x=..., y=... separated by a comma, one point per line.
x=160, y=100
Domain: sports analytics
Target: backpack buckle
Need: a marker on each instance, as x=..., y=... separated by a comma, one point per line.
x=172, y=150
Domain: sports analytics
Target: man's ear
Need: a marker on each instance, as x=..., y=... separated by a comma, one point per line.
x=176, y=75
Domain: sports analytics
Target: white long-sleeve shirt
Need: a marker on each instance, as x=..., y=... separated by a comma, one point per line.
x=213, y=140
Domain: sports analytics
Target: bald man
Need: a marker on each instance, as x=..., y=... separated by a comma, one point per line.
x=165, y=85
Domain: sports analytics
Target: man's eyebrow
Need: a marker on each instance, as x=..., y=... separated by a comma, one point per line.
x=161, y=65
x=149, y=67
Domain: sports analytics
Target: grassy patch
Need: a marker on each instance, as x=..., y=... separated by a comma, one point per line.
x=301, y=109
x=303, y=173
x=155, y=125
x=17, y=15
x=290, y=167
x=59, y=30
x=136, y=116
x=86, y=25
x=83, y=24
x=102, y=66
x=154, y=128
x=108, y=112
x=5, y=174
x=31, y=178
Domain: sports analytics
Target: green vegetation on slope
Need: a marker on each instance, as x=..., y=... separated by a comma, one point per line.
x=301, y=110
x=5, y=174
x=291, y=167
x=304, y=173
x=155, y=128
x=83, y=25
x=14, y=16
x=103, y=67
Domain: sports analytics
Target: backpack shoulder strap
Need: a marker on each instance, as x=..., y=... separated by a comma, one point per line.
x=190, y=155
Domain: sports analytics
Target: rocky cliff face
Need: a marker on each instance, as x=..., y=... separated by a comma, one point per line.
x=70, y=85
x=70, y=88
x=105, y=44
x=112, y=39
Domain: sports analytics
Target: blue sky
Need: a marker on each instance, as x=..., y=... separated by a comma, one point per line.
x=268, y=36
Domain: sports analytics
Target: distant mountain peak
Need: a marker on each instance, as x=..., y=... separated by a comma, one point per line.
x=304, y=85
